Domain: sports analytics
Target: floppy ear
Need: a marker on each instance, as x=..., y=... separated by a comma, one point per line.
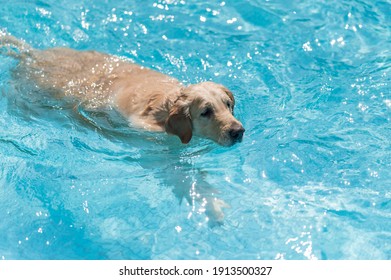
x=231, y=96
x=179, y=123
x=229, y=93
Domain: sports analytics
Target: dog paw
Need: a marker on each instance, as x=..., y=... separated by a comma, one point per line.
x=214, y=210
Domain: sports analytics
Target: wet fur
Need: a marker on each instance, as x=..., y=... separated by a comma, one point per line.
x=148, y=99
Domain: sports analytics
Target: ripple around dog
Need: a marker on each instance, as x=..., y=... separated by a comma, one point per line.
x=310, y=179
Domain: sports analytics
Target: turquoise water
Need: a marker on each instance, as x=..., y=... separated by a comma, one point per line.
x=311, y=179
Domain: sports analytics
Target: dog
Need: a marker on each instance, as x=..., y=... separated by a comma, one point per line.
x=146, y=98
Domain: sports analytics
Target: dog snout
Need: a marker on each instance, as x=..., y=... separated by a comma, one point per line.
x=236, y=132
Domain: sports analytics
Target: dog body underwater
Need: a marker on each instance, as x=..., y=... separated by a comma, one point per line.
x=146, y=98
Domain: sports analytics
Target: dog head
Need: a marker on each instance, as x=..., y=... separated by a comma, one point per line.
x=205, y=110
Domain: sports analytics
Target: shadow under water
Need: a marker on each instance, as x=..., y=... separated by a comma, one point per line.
x=164, y=156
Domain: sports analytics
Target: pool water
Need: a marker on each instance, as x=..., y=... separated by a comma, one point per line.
x=311, y=179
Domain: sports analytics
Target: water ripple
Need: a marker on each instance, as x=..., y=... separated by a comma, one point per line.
x=310, y=180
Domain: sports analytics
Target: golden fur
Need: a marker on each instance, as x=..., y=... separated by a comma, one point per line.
x=148, y=99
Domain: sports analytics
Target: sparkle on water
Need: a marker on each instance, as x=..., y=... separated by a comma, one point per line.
x=311, y=180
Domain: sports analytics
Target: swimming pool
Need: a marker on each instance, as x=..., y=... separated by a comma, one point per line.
x=311, y=180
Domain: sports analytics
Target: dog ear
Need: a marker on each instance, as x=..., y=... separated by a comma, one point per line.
x=179, y=123
x=230, y=95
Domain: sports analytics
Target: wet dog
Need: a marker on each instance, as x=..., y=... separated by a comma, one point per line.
x=146, y=98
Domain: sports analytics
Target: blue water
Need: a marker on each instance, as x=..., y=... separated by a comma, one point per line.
x=311, y=180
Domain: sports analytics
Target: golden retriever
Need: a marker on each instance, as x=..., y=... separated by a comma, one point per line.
x=148, y=99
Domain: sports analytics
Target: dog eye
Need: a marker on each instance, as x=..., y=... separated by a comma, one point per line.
x=207, y=113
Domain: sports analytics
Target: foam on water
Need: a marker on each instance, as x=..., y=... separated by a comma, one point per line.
x=310, y=180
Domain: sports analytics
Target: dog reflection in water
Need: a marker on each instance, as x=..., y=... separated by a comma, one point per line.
x=146, y=98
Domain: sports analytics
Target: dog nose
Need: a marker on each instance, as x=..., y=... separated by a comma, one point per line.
x=236, y=132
